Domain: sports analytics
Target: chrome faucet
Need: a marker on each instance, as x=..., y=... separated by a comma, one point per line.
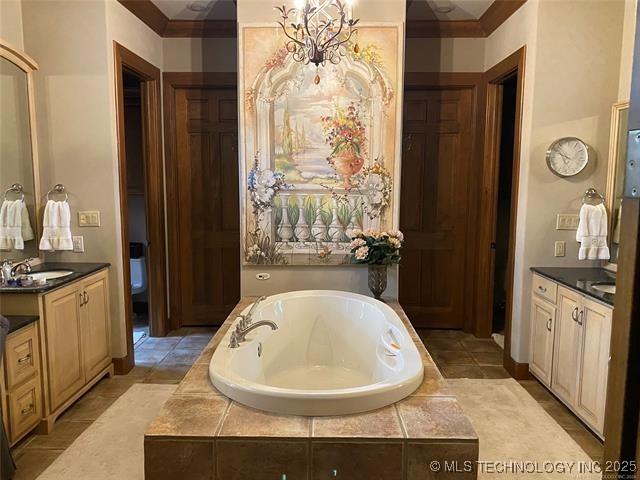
x=23, y=267
x=246, y=320
x=239, y=334
x=5, y=270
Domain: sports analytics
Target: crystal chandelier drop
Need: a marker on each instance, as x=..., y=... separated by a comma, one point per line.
x=317, y=31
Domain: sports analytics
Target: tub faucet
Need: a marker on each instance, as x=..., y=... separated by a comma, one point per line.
x=246, y=320
x=239, y=334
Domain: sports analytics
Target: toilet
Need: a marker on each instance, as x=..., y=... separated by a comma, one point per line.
x=138, y=268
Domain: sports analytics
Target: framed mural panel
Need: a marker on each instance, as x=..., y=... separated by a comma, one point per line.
x=319, y=147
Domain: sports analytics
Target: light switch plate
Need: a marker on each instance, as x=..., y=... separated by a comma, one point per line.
x=560, y=249
x=567, y=221
x=89, y=218
x=78, y=244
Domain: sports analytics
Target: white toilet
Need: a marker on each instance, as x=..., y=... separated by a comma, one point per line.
x=138, y=268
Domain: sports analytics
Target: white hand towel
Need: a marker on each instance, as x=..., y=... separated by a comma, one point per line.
x=27, y=231
x=11, y=225
x=592, y=233
x=56, y=234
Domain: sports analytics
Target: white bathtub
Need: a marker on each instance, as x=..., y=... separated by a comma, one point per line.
x=334, y=353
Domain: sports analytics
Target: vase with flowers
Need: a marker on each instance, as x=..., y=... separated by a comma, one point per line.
x=378, y=250
x=346, y=135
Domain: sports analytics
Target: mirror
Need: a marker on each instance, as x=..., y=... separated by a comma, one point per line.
x=18, y=170
x=615, y=175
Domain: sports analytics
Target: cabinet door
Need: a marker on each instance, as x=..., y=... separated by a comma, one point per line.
x=543, y=319
x=566, y=345
x=595, y=320
x=63, y=344
x=95, y=324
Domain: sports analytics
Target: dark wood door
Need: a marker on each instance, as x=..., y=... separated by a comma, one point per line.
x=206, y=205
x=434, y=205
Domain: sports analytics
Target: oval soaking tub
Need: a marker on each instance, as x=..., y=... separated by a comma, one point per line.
x=334, y=353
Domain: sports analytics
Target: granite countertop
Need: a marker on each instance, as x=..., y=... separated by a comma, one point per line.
x=80, y=270
x=580, y=279
x=16, y=322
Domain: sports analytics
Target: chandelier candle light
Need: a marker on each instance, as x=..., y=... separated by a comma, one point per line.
x=317, y=31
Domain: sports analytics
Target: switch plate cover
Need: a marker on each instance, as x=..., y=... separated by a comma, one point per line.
x=78, y=244
x=567, y=221
x=560, y=249
x=89, y=218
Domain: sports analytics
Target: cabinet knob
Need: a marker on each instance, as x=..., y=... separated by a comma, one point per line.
x=26, y=410
x=25, y=359
x=542, y=289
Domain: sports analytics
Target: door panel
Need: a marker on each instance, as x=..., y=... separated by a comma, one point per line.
x=543, y=318
x=207, y=208
x=566, y=346
x=594, y=363
x=435, y=205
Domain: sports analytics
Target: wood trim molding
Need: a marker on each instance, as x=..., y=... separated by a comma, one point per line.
x=154, y=175
x=497, y=13
x=172, y=81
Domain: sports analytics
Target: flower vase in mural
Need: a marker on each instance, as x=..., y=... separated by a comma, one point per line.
x=378, y=250
x=334, y=141
x=345, y=134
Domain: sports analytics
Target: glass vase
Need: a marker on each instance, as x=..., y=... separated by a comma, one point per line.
x=377, y=280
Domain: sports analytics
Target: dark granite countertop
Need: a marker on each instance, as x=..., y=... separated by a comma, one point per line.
x=80, y=270
x=580, y=279
x=16, y=322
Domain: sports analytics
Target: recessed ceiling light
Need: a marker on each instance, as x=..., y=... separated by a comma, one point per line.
x=198, y=6
x=444, y=7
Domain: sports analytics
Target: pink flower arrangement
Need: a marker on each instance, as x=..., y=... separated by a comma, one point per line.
x=376, y=248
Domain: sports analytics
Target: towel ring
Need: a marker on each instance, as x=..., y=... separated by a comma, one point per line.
x=592, y=197
x=58, y=189
x=15, y=188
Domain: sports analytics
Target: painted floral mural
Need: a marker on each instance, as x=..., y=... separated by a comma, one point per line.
x=319, y=157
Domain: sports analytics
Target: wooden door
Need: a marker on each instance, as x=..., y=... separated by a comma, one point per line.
x=435, y=206
x=543, y=318
x=206, y=205
x=63, y=344
x=595, y=320
x=95, y=325
x=565, y=350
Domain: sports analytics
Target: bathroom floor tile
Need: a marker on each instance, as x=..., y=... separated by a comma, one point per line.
x=588, y=441
x=168, y=373
x=488, y=358
x=158, y=344
x=149, y=358
x=447, y=357
x=113, y=386
x=33, y=462
x=63, y=435
x=462, y=371
x=88, y=408
x=195, y=342
x=491, y=371
x=181, y=356
x=481, y=345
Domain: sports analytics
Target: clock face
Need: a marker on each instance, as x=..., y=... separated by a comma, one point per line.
x=567, y=156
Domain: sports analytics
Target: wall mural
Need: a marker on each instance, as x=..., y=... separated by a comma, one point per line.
x=319, y=145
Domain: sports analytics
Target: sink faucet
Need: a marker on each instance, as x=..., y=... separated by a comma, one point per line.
x=239, y=334
x=23, y=267
x=5, y=270
x=246, y=320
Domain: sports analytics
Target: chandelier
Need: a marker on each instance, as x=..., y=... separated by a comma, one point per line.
x=317, y=31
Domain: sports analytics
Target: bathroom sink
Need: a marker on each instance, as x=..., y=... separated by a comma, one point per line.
x=605, y=287
x=50, y=275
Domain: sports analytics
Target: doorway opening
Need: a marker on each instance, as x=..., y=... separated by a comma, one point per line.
x=503, y=207
x=141, y=200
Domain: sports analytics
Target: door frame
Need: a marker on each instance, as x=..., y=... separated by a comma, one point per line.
x=149, y=75
x=488, y=202
x=475, y=82
x=171, y=82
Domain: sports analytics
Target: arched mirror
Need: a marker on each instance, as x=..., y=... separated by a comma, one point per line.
x=18, y=157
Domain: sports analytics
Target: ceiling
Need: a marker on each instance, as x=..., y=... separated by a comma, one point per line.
x=226, y=9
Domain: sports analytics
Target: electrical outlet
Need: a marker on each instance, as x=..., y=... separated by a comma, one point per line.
x=560, y=248
x=567, y=221
x=89, y=218
x=78, y=244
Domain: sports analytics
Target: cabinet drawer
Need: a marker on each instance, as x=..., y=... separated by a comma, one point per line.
x=21, y=357
x=545, y=288
x=25, y=409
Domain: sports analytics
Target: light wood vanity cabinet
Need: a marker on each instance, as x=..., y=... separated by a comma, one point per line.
x=51, y=363
x=570, y=336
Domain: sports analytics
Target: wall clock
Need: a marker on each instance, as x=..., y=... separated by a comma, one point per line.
x=568, y=156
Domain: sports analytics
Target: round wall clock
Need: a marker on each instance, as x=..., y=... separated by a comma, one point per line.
x=568, y=156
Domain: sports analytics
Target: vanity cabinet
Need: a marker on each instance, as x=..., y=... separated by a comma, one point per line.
x=570, y=336
x=52, y=363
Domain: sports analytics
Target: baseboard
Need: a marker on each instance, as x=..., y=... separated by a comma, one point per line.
x=519, y=371
x=123, y=365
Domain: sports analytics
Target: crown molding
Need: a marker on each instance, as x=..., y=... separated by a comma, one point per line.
x=497, y=13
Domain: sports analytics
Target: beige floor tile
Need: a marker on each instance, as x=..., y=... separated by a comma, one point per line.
x=488, y=358
x=439, y=343
x=149, y=358
x=181, y=356
x=447, y=358
x=33, y=462
x=168, y=373
x=88, y=408
x=462, y=371
x=158, y=344
x=491, y=371
x=64, y=434
x=474, y=344
x=195, y=342
x=114, y=386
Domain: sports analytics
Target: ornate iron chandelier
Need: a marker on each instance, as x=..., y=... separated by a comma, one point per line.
x=317, y=32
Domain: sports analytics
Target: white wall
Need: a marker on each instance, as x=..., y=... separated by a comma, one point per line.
x=75, y=93
x=571, y=81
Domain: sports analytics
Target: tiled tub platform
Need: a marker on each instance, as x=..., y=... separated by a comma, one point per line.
x=202, y=435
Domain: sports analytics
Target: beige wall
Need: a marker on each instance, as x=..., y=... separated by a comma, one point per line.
x=444, y=54
x=11, y=23
x=626, y=57
x=73, y=44
x=200, y=54
x=571, y=81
